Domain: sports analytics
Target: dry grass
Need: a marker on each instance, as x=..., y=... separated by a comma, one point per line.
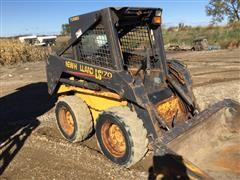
x=61, y=42
x=225, y=36
x=13, y=51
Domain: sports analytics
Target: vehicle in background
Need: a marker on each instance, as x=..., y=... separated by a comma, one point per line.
x=200, y=44
x=31, y=40
x=34, y=40
x=46, y=41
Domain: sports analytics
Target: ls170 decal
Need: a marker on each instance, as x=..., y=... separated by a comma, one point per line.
x=84, y=70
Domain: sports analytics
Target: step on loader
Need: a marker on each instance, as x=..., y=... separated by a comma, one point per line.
x=113, y=78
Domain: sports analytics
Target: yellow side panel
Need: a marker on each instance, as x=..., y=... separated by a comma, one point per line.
x=98, y=104
x=96, y=100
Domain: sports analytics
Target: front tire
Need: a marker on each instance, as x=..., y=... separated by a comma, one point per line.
x=74, y=119
x=121, y=136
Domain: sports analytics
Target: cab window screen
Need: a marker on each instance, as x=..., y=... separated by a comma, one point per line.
x=134, y=44
x=93, y=48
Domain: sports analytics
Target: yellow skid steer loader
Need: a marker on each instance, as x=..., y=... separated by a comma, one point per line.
x=113, y=77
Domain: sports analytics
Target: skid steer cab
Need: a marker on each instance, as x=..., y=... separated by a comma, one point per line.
x=113, y=77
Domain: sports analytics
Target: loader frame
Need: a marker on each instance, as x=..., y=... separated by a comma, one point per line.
x=115, y=77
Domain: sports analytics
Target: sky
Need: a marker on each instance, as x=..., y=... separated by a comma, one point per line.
x=20, y=17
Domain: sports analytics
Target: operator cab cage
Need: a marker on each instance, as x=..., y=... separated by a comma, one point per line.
x=118, y=38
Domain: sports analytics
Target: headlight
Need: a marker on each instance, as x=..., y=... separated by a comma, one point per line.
x=158, y=13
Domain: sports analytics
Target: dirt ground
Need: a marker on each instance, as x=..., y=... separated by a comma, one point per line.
x=32, y=148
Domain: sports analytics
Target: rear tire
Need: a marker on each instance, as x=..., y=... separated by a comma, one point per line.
x=121, y=136
x=73, y=118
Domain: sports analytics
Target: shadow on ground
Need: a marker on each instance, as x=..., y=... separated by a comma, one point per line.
x=168, y=167
x=18, y=118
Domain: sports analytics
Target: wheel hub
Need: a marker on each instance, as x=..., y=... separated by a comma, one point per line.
x=66, y=121
x=113, y=139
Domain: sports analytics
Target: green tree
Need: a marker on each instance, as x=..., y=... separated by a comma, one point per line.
x=65, y=29
x=219, y=9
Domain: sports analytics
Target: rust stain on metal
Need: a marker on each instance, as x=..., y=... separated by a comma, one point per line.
x=170, y=108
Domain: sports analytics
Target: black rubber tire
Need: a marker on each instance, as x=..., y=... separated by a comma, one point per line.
x=187, y=78
x=134, y=133
x=83, y=124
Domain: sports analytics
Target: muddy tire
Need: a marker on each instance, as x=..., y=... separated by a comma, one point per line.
x=74, y=119
x=187, y=87
x=121, y=136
